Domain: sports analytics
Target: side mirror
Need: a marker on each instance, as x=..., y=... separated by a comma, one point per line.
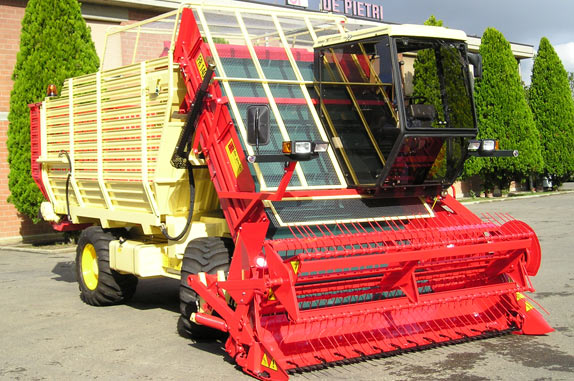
x=475, y=59
x=258, y=125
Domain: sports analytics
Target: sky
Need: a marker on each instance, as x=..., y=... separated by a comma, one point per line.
x=521, y=21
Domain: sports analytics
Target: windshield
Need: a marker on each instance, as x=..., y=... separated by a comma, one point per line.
x=436, y=86
x=358, y=106
x=399, y=110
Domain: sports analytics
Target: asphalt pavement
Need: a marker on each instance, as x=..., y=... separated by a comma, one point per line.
x=46, y=332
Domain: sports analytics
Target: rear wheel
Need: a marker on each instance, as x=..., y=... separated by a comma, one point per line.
x=209, y=255
x=100, y=285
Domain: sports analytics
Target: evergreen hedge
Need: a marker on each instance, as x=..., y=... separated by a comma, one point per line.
x=553, y=108
x=55, y=44
x=503, y=114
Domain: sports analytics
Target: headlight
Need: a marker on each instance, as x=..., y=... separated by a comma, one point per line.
x=473, y=145
x=302, y=147
x=321, y=147
x=488, y=145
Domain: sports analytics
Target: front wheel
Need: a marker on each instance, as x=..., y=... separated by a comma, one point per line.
x=209, y=255
x=100, y=285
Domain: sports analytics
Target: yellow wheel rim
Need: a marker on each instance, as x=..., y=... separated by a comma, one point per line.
x=90, y=266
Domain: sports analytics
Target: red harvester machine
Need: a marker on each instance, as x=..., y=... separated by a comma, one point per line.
x=330, y=174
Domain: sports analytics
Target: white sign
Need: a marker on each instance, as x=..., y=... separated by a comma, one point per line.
x=353, y=8
x=299, y=3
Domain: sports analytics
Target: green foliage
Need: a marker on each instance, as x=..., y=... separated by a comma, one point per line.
x=217, y=40
x=553, y=108
x=503, y=114
x=55, y=44
x=426, y=85
x=458, y=92
x=432, y=21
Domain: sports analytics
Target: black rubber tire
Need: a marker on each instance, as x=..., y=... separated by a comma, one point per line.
x=112, y=287
x=209, y=255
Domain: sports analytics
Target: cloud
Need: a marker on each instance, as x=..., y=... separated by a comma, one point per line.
x=526, y=70
x=566, y=54
x=522, y=21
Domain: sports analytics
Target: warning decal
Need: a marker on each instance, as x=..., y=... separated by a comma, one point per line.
x=271, y=295
x=295, y=266
x=200, y=62
x=268, y=362
x=527, y=305
x=233, y=158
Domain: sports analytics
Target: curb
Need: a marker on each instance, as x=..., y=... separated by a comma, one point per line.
x=63, y=250
x=498, y=199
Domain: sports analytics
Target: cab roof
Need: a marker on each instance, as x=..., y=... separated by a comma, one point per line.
x=407, y=30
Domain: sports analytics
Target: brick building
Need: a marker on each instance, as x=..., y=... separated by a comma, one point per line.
x=99, y=15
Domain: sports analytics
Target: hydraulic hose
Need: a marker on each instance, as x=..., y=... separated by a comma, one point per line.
x=65, y=153
x=163, y=227
x=189, y=212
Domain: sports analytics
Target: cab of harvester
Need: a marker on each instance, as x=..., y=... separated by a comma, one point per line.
x=387, y=135
x=291, y=168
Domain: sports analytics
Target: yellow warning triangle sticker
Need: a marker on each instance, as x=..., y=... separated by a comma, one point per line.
x=272, y=365
x=271, y=295
x=527, y=305
x=264, y=361
x=295, y=265
x=268, y=364
x=519, y=296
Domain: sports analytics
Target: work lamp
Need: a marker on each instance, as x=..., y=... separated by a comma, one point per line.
x=303, y=147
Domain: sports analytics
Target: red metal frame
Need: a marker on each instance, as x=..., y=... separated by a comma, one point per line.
x=36, y=146
x=334, y=293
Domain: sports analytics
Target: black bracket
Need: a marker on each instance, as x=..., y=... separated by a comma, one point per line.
x=281, y=158
x=182, y=149
x=494, y=153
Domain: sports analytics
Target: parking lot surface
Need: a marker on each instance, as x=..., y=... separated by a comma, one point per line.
x=48, y=333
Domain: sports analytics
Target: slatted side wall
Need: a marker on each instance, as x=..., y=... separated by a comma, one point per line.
x=112, y=138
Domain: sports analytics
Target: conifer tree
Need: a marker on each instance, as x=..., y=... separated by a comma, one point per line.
x=426, y=85
x=55, y=44
x=503, y=114
x=553, y=108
